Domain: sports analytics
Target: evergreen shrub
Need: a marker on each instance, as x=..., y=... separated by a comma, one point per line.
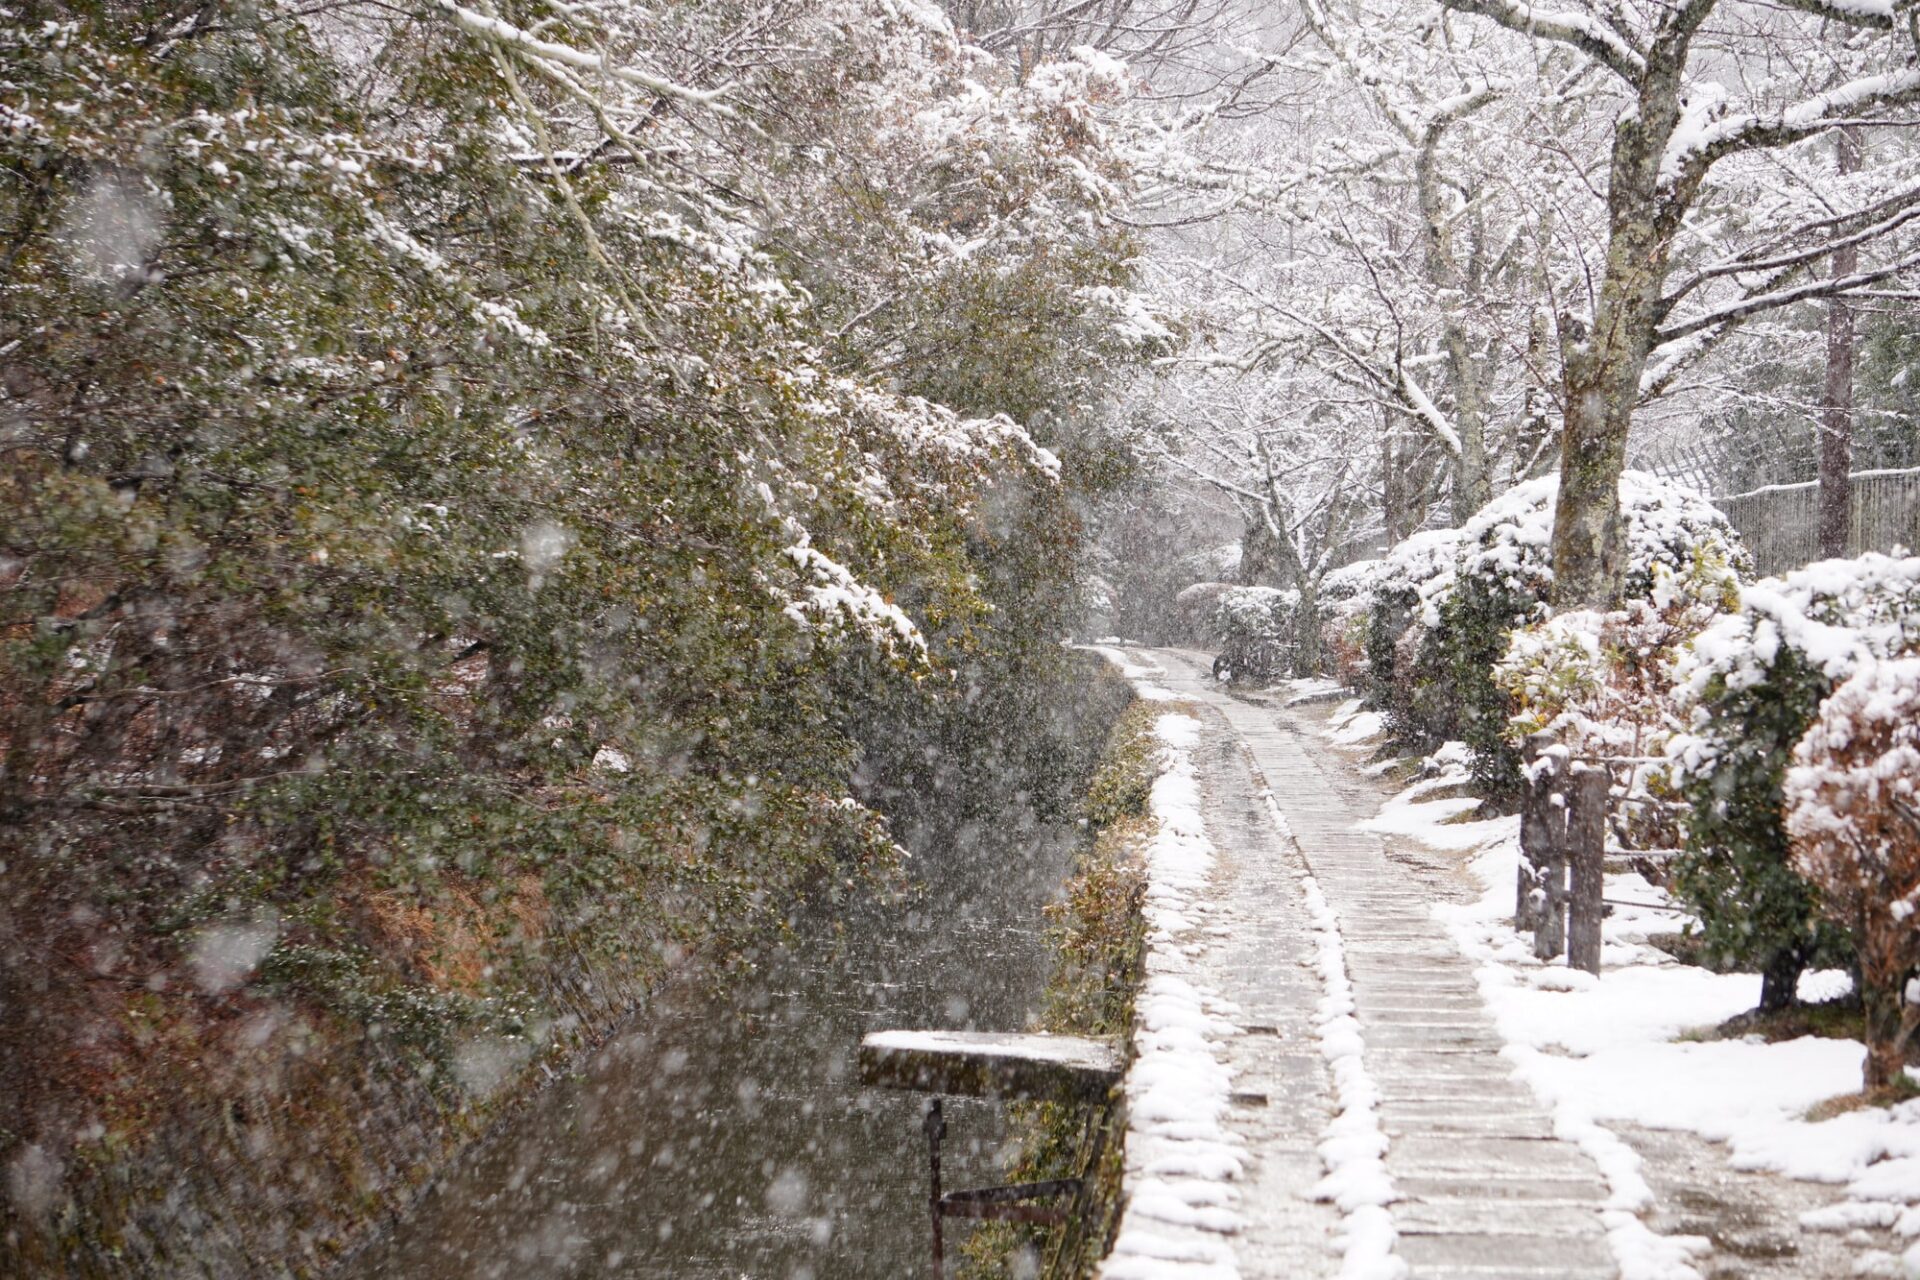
x=1751, y=686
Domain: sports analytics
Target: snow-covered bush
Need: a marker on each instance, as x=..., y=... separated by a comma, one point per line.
x=1603, y=683
x=1442, y=684
x=1344, y=600
x=1853, y=821
x=1257, y=629
x=1750, y=687
x=1417, y=568
x=1196, y=612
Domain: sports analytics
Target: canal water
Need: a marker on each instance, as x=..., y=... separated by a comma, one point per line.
x=726, y=1134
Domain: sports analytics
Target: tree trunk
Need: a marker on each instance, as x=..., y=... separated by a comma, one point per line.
x=1886, y=1047
x=1261, y=563
x=1602, y=379
x=1780, y=980
x=1588, y=549
x=1836, y=408
x=1395, y=505
x=1306, y=629
x=1472, y=487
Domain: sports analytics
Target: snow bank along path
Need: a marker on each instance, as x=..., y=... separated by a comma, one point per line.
x=1438, y=1161
x=1229, y=1093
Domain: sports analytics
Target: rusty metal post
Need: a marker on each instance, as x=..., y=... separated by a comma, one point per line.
x=936, y=1127
x=1587, y=794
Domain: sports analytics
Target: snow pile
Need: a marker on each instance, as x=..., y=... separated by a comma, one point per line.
x=1140, y=675
x=1181, y=1159
x=1352, y=725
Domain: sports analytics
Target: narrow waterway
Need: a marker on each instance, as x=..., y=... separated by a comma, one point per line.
x=726, y=1134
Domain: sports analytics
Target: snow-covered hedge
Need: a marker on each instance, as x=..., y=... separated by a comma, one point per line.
x=1604, y=682
x=1853, y=818
x=1257, y=626
x=1416, y=569
x=1196, y=609
x=1344, y=600
x=1441, y=623
x=1751, y=685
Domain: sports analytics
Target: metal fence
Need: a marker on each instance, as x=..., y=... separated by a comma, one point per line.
x=1780, y=523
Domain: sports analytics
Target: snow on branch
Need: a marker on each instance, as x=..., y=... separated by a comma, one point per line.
x=529, y=45
x=1905, y=207
x=1768, y=301
x=1854, y=13
x=1700, y=140
x=834, y=597
x=1593, y=38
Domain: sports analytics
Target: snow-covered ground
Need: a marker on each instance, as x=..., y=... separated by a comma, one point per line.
x=1611, y=1051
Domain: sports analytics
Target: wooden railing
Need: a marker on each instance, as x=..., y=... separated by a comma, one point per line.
x=1570, y=804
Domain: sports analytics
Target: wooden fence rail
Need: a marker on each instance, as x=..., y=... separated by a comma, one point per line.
x=1780, y=523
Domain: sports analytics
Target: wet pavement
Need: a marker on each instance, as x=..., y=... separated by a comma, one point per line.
x=1486, y=1190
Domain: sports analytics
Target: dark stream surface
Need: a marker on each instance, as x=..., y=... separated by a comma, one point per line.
x=726, y=1134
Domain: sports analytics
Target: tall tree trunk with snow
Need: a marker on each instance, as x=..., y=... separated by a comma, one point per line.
x=1394, y=506
x=1649, y=192
x=1602, y=382
x=1603, y=366
x=1836, y=407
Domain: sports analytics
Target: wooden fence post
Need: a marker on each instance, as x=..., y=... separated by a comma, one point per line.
x=1586, y=809
x=1540, y=892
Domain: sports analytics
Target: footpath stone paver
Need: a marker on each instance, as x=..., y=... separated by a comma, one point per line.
x=1486, y=1190
x=1283, y=1097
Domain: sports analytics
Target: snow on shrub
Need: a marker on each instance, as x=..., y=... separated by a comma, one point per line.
x=1256, y=627
x=1416, y=568
x=1441, y=685
x=1750, y=686
x=1603, y=684
x=1196, y=609
x=1853, y=820
x=1344, y=599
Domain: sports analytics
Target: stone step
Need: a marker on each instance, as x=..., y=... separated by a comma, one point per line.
x=1485, y=1256
x=1584, y=1191
x=1494, y=1218
x=1522, y=1124
x=1487, y=1155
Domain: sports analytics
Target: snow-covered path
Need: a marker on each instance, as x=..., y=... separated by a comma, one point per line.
x=1393, y=1077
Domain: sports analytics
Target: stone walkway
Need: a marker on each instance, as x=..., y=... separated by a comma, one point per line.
x=1485, y=1190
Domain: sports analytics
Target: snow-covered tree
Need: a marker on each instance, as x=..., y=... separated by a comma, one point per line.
x=1719, y=206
